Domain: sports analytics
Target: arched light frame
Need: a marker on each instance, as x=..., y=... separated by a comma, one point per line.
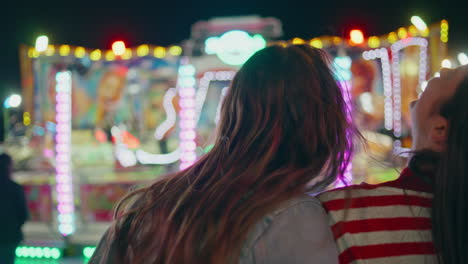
x=191, y=104
x=396, y=48
x=382, y=54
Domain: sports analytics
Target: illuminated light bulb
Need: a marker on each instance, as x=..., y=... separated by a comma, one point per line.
x=95, y=55
x=31, y=52
x=402, y=33
x=337, y=40
x=159, y=52
x=392, y=37
x=118, y=48
x=374, y=42
x=446, y=64
x=413, y=31
x=425, y=32
x=50, y=50
x=444, y=31
x=418, y=23
x=356, y=36
x=42, y=43
x=462, y=58
x=297, y=41
x=142, y=50
x=110, y=55
x=444, y=25
x=316, y=43
x=13, y=101
x=444, y=38
x=80, y=52
x=127, y=54
x=175, y=50
x=64, y=50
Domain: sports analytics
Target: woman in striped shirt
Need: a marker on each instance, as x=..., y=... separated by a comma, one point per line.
x=422, y=216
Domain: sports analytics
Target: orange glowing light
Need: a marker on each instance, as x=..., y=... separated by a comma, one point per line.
x=118, y=48
x=356, y=36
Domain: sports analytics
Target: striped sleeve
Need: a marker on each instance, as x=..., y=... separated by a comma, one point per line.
x=380, y=224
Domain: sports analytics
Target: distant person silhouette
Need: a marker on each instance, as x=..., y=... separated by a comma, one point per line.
x=13, y=211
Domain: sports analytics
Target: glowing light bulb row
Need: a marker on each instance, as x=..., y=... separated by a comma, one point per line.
x=444, y=27
x=38, y=252
x=109, y=55
x=187, y=121
x=422, y=43
x=63, y=178
x=382, y=54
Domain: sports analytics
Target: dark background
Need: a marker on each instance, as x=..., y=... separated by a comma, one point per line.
x=97, y=24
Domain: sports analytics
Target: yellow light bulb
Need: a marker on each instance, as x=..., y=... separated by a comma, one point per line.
x=64, y=50
x=50, y=50
x=316, y=43
x=110, y=56
x=80, y=52
x=297, y=41
x=159, y=52
x=95, y=55
x=127, y=54
x=142, y=50
x=175, y=50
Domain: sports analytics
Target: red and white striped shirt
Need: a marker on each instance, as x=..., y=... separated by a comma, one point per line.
x=384, y=223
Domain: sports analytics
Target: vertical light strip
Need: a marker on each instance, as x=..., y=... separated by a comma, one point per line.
x=343, y=66
x=187, y=123
x=191, y=105
x=422, y=43
x=171, y=114
x=382, y=54
x=63, y=178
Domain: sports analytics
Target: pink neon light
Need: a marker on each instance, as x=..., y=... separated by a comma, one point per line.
x=63, y=176
x=187, y=92
x=348, y=176
x=187, y=114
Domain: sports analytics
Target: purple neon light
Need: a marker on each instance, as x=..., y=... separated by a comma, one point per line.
x=348, y=174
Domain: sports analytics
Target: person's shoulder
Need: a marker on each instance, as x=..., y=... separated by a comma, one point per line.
x=292, y=231
x=302, y=202
x=300, y=208
x=361, y=190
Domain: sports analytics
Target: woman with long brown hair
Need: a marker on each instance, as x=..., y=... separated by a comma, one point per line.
x=283, y=125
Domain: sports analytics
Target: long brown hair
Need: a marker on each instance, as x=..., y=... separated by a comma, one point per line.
x=450, y=205
x=283, y=123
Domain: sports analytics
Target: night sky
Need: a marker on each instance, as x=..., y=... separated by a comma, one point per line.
x=97, y=24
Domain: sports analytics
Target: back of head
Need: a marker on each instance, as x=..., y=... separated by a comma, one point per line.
x=283, y=123
x=286, y=109
x=450, y=206
x=6, y=164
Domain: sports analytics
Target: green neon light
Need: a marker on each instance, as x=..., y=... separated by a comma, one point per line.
x=209, y=148
x=88, y=252
x=234, y=47
x=38, y=252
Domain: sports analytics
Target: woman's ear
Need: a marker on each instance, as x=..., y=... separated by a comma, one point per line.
x=438, y=133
